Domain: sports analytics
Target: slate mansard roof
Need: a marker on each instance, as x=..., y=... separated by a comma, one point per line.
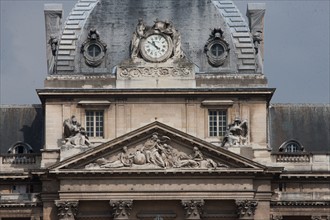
x=21, y=123
x=308, y=124
x=116, y=21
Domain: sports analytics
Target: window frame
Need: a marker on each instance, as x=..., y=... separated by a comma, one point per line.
x=284, y=148
x=94, y=126
x=224, y=123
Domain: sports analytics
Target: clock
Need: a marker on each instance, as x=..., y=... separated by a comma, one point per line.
x=156, y=48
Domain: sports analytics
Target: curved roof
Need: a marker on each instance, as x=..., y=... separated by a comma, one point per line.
x=115, y=21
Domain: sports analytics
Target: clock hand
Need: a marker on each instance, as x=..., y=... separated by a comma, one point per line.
x=154, y=44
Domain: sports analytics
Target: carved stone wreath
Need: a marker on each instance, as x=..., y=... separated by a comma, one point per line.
x=216, y=48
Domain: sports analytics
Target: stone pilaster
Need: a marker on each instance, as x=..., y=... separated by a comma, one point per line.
x=66, y=210
x=121, y=208
x=194, y=208
x=246, y=208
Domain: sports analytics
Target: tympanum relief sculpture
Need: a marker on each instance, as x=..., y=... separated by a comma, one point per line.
x=156, y=152
x=236, y=134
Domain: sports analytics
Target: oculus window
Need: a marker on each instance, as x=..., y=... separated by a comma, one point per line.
x=216, y=48
x=93, y=49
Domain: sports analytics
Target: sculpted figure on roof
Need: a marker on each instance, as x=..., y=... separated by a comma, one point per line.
x=236, y=134
x=137, y=35
x=74, y=134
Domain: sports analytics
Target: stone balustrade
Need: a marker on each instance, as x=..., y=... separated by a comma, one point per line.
x=292, y=157
x=18, y=197
x=302, y=161
x=19, y=158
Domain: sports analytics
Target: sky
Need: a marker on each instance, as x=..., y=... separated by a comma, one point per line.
x=296, y=49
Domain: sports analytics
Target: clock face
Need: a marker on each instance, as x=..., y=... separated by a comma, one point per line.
x=155, y=47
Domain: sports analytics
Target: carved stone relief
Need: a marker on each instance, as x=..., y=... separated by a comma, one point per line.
x=67, y=210
x=121, y=208
x=193, y=208
x=163, y=72
x=246, y=208
x=156, y=152
x=236, y=134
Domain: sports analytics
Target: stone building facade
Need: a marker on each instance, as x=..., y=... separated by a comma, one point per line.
x=161, y=110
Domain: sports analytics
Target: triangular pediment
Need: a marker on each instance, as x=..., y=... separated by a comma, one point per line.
x=160, y=148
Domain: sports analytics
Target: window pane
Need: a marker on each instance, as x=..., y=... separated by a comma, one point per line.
x=217, y=122
x=94, y=123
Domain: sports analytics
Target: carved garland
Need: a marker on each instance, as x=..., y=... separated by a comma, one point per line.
x=154, y=72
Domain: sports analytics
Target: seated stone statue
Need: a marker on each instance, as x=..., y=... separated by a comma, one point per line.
x=236, y=134
x=74, y=134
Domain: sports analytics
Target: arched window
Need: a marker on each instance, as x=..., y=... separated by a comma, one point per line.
x=20, y=148
x=291, y=146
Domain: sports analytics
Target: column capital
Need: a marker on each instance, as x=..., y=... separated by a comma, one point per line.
x=67, y=209
x=246, y=208
x=121, y=208
x=194, y=208
x=277, y=217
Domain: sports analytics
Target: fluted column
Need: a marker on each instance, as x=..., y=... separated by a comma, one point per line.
x=194, y=208
x=67, y=210
x=246, y=208
x=121, y=208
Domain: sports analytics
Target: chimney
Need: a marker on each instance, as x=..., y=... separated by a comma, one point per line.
x=53, y=21
x=255, y=13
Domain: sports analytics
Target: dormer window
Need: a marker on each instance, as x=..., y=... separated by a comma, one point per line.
x=291, y=146
x=93, y=49
x=216, y=48
x=20, y=148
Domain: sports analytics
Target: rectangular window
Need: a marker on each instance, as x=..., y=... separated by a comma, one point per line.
x=217, y=123
x=94, y=123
